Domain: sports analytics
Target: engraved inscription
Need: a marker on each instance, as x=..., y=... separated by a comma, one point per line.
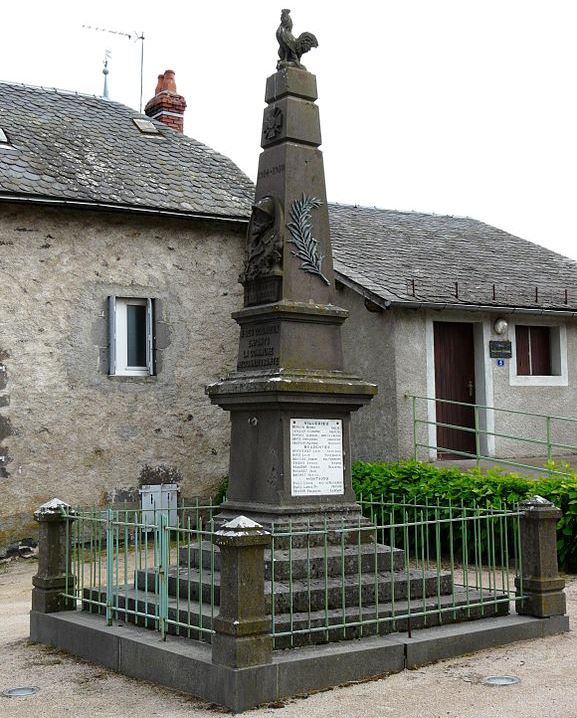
x=316, y=457
x=259, y=346
x=271, y=171
x=264, y=290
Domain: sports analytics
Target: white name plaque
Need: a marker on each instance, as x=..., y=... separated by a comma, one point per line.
x=317, y=457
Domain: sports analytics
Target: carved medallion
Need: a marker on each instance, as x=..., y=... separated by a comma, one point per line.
x=272, y=123
x=264, y=241
x=300, y=228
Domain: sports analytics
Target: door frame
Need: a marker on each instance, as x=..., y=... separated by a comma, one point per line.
x=483, y=377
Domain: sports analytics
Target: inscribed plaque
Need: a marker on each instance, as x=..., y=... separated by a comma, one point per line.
x=316, y=457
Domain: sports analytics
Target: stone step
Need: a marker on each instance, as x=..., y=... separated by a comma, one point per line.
x=308, y=561
x=308, y=594
x=332, y=530
x=314, y=627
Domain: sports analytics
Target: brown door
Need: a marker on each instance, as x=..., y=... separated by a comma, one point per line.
x=455, y=380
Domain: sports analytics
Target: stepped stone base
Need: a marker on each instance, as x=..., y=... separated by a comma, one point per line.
x=186, y=665
x=318, y=626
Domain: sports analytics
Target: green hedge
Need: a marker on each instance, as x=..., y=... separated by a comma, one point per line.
x=493, y=488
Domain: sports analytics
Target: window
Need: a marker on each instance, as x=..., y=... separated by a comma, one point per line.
x=131, y=336
x=539, y=356
x=146, y=126
x=533, y=350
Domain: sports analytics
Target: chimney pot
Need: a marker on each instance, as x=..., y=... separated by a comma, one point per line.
x=169, y=84
x=167, y=106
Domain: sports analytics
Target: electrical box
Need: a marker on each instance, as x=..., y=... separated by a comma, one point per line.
x=157, y=499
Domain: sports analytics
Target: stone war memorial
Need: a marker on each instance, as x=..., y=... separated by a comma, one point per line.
x=292, y=584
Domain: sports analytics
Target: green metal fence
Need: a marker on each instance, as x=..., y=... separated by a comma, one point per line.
x=412, y=566
x=126, y=567
x=401, y=566
x=538, y=440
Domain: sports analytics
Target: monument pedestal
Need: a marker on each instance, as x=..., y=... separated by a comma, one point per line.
x=290, y=445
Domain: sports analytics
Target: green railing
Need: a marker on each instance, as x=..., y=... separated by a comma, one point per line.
x=402, y=566
x=542, y=434
x=126, y=567
x=413, y=566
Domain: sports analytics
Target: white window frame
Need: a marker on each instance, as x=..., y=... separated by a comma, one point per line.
x=558, y=345
x=118, y=344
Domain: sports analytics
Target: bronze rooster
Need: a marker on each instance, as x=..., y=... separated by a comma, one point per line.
x=291, y=48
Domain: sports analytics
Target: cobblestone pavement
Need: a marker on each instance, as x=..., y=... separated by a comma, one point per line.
x=68, y=686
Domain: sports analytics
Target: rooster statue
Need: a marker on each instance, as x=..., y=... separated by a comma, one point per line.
x=290, y=47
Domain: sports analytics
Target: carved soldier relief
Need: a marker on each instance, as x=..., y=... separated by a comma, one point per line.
x=264, y=252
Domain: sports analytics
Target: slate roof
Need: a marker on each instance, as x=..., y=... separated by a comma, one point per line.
x=68, y=146
x=408, y=257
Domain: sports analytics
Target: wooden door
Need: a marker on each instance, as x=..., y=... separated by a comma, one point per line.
x=455, y=380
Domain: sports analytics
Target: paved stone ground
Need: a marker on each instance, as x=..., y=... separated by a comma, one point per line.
x=68, y=686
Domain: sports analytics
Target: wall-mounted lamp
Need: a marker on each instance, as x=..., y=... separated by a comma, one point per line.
x=501, y=326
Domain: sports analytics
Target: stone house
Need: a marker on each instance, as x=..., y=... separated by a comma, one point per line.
x=452, y=308
x=120, y=246
x=121, y=243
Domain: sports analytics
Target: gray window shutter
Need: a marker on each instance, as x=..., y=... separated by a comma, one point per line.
x=150, y=336
x=112, y=335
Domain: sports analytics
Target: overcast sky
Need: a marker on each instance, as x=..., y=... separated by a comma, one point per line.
x=463, y=107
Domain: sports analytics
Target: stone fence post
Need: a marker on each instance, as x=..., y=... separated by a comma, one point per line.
x=541, y=584
x=243, y=628
x=54, y=558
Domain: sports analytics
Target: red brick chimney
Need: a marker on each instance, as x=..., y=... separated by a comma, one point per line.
x=167, y=105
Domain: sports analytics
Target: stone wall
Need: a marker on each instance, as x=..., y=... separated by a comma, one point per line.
x=394, y=349
x=369, y=352
x=67, y=429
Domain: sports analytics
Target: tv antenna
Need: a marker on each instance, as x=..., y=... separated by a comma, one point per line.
x=130, y=35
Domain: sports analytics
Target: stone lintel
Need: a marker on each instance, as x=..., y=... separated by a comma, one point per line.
x=346, y=393
x=292, y=311
x=291, y=81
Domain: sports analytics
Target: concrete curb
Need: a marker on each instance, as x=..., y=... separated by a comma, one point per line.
x=187, y=666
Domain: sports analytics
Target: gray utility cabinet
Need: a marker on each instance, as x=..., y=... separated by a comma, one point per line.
x=157, y=500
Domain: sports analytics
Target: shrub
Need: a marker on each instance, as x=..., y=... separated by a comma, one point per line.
x=492, y=489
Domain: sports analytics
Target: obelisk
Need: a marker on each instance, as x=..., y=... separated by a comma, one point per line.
x=290, y=400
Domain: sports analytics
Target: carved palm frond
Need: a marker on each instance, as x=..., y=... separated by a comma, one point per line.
x=300, y=228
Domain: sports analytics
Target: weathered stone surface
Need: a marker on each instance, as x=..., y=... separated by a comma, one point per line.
x=290, y=362
x=54, y=559
x=186, y=666
x=541, y=584
x=243, y=628
x=76, y=432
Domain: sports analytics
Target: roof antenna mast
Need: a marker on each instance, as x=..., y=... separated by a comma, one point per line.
x=130, y=36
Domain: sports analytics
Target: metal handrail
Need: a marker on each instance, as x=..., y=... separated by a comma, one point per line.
x=492, y=408
x=478, y=431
